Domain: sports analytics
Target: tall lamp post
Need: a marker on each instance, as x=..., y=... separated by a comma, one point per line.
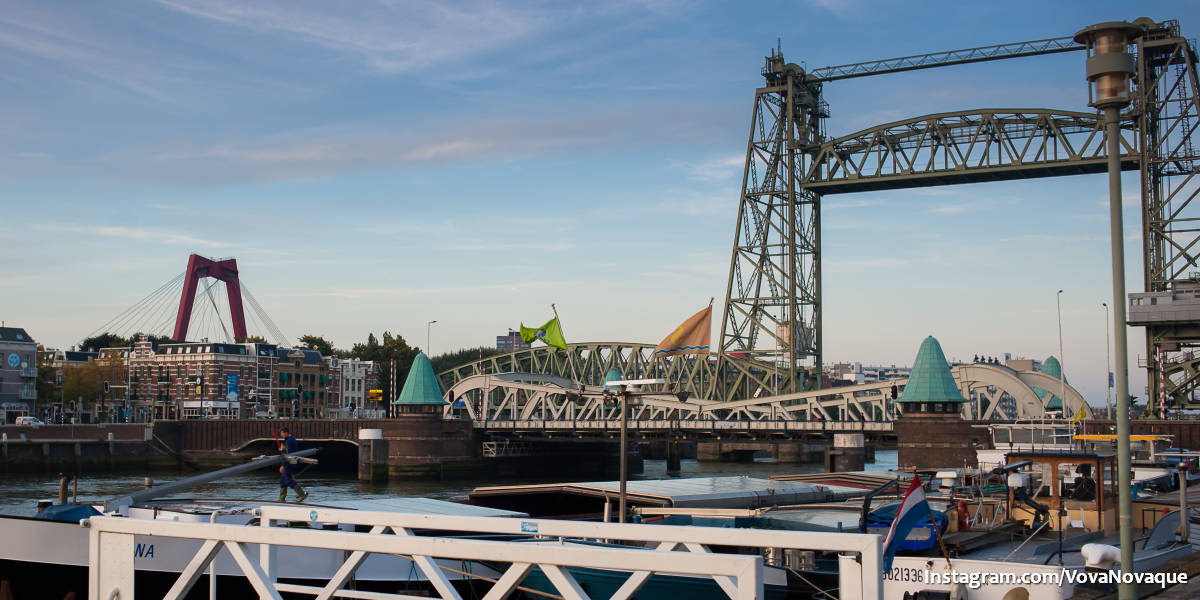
x=625, y=394
x=428, y=326
x=1107, y=362
x=1062, y=363
x=1109, y=67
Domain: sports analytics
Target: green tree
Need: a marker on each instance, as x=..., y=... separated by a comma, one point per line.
x=322, y=345
x=458, y=358
x=47, y=388
x=383, y=352
x=104, y=340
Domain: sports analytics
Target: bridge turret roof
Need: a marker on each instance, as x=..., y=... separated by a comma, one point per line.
x=1053, y=368
x=421, y=386
x=930, y=380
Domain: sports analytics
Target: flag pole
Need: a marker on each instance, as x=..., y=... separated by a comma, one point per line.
x=570, y=355
x=937, y=532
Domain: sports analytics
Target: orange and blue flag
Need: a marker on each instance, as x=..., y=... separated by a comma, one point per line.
x=691, y=337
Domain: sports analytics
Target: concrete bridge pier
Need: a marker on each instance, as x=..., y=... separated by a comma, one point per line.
x=848, y=453
x=674, y=454
x=372, y=456
x=746, y=450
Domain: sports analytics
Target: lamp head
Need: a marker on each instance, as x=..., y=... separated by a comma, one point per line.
x=1109, y=64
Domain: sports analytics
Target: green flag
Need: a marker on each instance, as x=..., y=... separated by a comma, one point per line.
x=550, y=333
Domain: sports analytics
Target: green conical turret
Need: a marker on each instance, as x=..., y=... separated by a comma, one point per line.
x=421, y=386
x=930, y=380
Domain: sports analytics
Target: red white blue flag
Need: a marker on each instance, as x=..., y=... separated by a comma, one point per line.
x=913, y=511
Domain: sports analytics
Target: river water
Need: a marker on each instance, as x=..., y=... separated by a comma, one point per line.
x=19, y=493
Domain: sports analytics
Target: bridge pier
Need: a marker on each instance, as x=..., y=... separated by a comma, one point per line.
x=847, y=454
x=372, y=456
x=781, y=451
x=674, y=455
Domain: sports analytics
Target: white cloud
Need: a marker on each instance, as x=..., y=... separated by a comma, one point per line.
x=133, y=234
x=391, y=36
x=953, y=209
x=714, y=170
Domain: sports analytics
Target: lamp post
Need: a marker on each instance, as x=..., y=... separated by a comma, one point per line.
x=428, y=326
x=1062, y=364
x=1109, y=67
x=1107, y=363
x=625, y=394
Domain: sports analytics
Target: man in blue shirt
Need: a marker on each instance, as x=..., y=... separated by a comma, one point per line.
x=287, y=475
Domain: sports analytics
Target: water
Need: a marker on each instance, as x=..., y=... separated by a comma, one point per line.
x=19, y=493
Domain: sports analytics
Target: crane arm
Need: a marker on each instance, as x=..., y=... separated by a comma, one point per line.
x=942, y=59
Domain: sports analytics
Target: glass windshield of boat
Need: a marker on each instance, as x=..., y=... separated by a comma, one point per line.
x=1030, y=436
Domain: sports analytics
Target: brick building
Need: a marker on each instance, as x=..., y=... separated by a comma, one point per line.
x=192, y=380
x=18, y=374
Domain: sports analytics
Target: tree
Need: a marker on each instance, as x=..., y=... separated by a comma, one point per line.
x=383, y=352
x=320, y=344
x=253, y=339
x=47, y=389
x=104, y=340
x=458, y=358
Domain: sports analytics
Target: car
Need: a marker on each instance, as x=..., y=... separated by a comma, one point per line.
x=30, y=421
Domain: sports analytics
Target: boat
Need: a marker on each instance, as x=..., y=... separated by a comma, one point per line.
x=46, y=555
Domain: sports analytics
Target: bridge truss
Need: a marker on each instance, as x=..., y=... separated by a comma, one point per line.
x=539, y=388
x=771, y=336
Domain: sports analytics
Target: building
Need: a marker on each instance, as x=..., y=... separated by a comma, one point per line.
x=511, y=342
x=18, y=374
x=305, y=388
x=855, y=373
x=192, y=380
x=358, y=378
x=931, y=434
x=421, y=392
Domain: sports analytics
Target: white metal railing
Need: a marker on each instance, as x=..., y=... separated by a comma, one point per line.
x=689, y=425
x=112, y=551
x=677, y=540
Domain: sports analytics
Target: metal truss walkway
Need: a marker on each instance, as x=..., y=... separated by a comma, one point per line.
x=549, y=401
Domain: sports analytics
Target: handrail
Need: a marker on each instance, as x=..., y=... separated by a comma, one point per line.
x=667, y=537
x=112, y=545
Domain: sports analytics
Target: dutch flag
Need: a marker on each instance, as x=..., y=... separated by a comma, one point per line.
x=913, y=511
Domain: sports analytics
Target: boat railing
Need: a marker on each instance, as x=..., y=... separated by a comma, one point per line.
x=113, y=546
x=675, y=540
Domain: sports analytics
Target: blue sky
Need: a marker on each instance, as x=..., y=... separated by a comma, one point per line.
x=376, y=165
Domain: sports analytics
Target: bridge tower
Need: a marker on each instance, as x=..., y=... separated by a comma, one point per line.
x=773, y=300
x=200, y=267
x=1167, y=111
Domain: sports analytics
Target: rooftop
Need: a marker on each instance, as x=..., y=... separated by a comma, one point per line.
x=930, y=379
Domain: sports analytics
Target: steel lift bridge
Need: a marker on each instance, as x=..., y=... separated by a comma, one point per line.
x=770, y=351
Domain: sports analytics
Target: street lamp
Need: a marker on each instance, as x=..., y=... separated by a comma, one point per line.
x=625, y=394
x=1109, y=67
x=1062, y=364
x=428, y=326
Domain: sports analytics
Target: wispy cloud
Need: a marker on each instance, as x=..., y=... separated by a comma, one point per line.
x=713, y=170
x=307, y=154
x=391, y=36
x=376, y=293
x=133, y=234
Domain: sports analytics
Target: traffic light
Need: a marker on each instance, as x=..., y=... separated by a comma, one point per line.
x=199, y=385
x=895, y=392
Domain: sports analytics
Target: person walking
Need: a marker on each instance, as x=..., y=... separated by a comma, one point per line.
x=287, y=473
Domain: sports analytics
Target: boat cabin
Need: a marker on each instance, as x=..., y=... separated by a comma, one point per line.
x=1064, y=489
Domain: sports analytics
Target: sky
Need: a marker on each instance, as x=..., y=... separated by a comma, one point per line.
x=381, y=164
